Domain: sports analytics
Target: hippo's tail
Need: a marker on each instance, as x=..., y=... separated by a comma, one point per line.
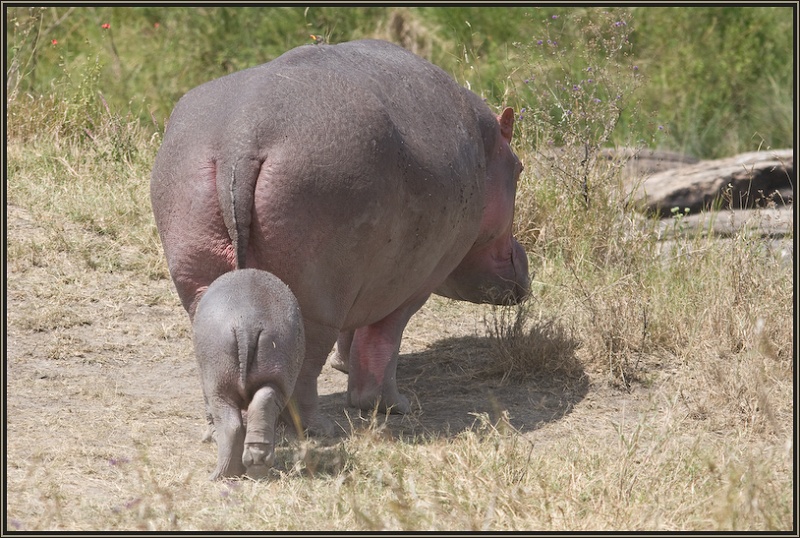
x=236, y=183
x=247, y=345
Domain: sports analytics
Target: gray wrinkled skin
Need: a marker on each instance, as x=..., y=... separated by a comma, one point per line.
x=249, y=342
x=362, y=176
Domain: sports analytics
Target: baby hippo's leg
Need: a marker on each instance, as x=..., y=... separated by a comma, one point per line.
x=259, y=441
x=230, y=439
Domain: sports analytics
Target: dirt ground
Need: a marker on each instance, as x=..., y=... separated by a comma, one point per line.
x=100, y=370
x=78, y=339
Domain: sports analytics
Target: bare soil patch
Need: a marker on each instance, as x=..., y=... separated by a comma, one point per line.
x=91, y=349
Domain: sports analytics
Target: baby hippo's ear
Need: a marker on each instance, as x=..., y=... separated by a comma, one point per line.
x=506, y=121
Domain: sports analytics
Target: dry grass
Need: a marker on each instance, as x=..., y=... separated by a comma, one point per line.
x=527, y=349
x=655, y=469
x=694, y=435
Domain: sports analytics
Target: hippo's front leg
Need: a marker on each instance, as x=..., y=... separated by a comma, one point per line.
x=341, y=353
x=374, y=350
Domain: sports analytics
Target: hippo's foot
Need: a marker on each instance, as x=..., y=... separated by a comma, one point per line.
x=338, y=362
x=387, y=400
x=258, y=459
x=229, y=437
x=341, y=353
x=259, y=443
x=228, y=469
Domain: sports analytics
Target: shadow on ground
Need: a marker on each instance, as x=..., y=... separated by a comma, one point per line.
x=447, y=391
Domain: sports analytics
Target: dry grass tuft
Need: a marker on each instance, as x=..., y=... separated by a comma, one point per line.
x=527, y=349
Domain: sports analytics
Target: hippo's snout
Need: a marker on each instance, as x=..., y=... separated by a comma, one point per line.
x=489, y=278
x=522, y=279
x=512, y=285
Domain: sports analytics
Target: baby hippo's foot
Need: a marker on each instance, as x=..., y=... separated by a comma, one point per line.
x=258, y=459
x=258, y=453
x=229, y=445
x=232, y=469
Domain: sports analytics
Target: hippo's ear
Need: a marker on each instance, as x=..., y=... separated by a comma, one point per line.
x=506, y=121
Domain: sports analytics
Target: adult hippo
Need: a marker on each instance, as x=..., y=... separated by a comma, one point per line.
x=359, y=174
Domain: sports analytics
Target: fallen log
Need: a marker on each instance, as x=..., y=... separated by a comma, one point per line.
x=745, y=181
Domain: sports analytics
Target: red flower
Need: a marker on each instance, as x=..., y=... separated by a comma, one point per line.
x=105, y=26
x=156, y=24
x=54, y=42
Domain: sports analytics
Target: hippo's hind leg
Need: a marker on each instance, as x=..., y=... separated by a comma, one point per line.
x=230, y=434
x=372, y=378
x=259, y=441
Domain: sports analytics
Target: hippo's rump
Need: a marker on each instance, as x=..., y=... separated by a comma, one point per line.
x=370, y=170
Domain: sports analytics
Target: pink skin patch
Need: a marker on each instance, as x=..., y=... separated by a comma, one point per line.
x=374, y=352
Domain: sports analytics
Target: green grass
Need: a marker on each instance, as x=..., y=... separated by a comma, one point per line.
x=716, y=79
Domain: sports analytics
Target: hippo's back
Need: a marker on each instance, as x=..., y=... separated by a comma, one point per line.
x=318, y=95
x=369, y=170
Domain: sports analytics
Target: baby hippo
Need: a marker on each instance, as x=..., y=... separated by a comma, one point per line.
x=250, y=343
